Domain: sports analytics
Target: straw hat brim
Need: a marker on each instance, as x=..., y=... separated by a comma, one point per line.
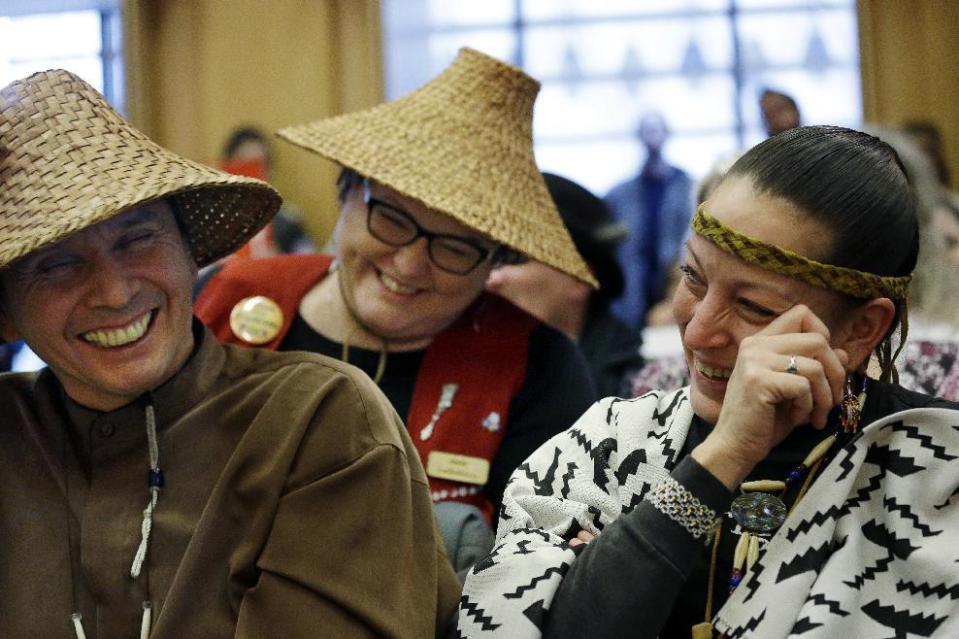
x=71, y=162
x=462, y=146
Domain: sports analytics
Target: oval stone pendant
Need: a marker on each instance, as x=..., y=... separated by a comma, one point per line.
x=758, y=512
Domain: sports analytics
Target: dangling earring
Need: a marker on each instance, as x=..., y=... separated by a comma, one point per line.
x=850, y=407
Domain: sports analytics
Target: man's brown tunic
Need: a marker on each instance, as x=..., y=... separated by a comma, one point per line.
x=294, y=506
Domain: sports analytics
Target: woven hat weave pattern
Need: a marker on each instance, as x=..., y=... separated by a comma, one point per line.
x=69, y=161
x=462, y=145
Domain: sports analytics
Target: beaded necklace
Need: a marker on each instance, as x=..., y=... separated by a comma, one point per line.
x=759, y=512
x=155, y=482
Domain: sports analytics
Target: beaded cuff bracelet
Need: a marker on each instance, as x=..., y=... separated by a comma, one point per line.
x=673, y=500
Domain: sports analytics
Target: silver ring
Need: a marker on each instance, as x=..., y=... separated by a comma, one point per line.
x=792, y=367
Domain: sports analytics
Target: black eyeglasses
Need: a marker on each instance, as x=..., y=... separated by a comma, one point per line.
x=395, y=227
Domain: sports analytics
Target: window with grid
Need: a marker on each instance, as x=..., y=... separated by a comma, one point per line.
x=82, y=36
x=701, y=63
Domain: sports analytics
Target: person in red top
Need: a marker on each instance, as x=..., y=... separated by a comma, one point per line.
x=437, y=189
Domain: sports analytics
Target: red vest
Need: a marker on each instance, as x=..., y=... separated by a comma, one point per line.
x=483, y=353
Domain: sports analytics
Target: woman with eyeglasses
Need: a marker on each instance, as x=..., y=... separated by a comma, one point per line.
x=436, y=189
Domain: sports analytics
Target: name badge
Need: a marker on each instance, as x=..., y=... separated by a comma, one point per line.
x=461, y=468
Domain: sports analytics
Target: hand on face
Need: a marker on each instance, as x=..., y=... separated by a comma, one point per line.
x=764, y=401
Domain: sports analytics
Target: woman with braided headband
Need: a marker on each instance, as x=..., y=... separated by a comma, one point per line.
x=783, y=492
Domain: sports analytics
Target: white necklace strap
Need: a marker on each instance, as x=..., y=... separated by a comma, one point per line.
x=155, y=482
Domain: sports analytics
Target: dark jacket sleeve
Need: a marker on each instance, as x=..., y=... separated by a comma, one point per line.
x=557, y=389
x=634, y=570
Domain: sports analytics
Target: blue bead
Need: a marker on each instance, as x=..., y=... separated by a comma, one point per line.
x=734, y=579
x=155, y=478
x=795, y=474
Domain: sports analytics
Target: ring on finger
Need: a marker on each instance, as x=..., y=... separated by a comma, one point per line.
x=792, y=367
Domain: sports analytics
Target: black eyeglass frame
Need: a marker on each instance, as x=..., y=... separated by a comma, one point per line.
x=483, y=254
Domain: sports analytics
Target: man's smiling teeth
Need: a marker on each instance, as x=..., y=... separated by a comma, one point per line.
x=119, y=336
x=395, y=286
x=717, y=373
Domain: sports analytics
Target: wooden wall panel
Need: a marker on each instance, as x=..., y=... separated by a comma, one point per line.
x=199, y=68
x=910, y=57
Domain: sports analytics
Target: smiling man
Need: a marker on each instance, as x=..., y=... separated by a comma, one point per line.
x=108, y=307
x=154, y=482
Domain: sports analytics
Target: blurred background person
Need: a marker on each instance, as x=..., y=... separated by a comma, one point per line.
x=662, y=349
x=929, y=139
x=655, y=206
x=934, y=294
x=927, y=362
x=248, y=152
x=780, y=112
x=945, y=222
x=944, y=216
x=611, y=348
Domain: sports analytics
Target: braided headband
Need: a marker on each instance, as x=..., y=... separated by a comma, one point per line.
x=858, y=284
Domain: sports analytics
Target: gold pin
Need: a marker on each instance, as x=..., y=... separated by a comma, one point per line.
x=256, y=320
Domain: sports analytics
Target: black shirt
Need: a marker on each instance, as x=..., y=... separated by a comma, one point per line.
x=556, y=390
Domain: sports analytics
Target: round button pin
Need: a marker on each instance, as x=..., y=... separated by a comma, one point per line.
x=256, y=320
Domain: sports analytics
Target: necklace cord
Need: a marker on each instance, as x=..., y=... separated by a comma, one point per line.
x=815, y=460
x=712, y=571
x=146, y=621
x=357, y=324
x=76, y=618
x=155, y=481
x=380, y=363
x=813, y=471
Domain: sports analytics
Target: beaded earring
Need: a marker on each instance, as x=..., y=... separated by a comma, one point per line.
x=760, y=513
x=850, y=407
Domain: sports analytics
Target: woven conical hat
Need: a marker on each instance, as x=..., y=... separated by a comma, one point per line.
x=462, y=145
x=69, y=161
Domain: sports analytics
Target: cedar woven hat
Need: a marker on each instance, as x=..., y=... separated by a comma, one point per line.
x=461, y=144
x=70, y=161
